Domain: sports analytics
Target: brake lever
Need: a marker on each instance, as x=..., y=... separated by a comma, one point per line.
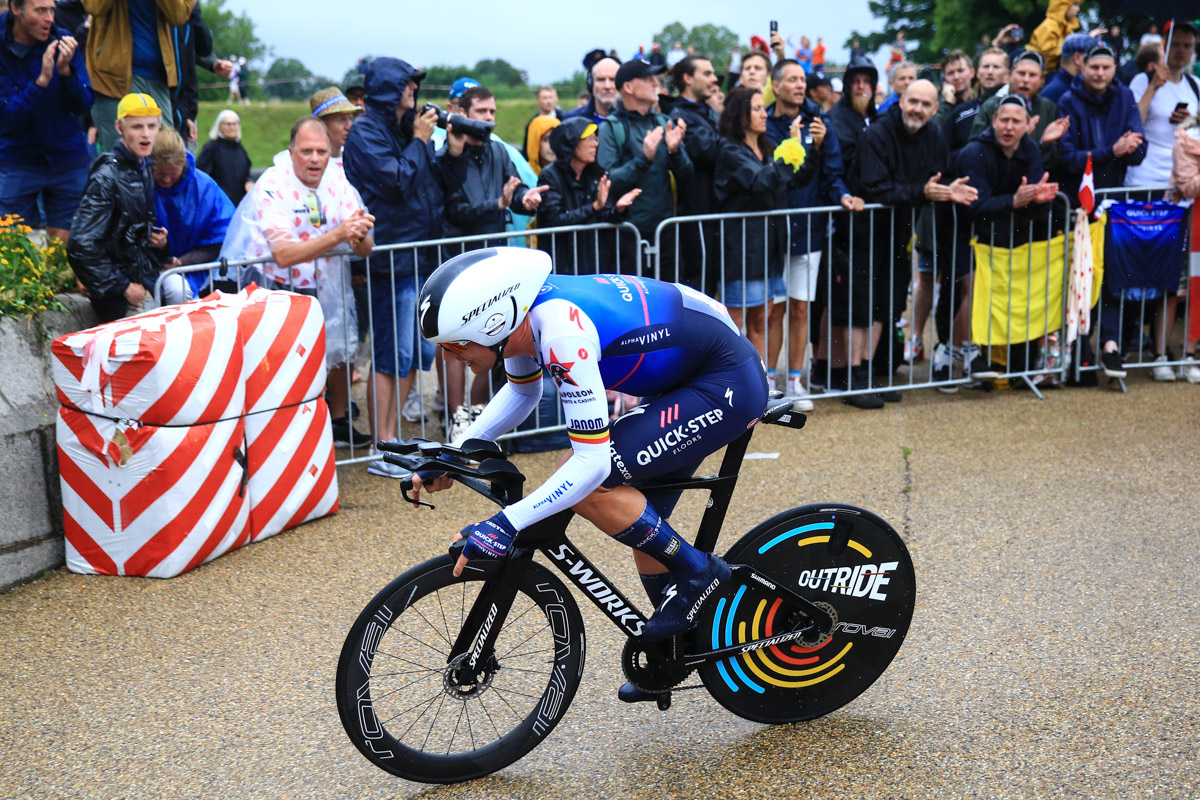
x=406, y=486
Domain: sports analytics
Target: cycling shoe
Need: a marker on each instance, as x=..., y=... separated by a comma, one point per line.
x=628, y=693
x=684, y=599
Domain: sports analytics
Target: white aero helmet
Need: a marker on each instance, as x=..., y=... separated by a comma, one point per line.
x=481, y=296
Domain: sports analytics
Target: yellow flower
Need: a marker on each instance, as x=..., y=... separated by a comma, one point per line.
x=791, y=152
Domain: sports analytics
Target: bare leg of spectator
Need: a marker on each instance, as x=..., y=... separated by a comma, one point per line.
x=922, y=305
x=62, y=234
x=774, y=341
x=798, y=335
x=752, y=320
x=381, y=392
x=337, y=392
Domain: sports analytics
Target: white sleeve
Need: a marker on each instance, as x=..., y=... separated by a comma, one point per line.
x=573, y=362
x=1139, y=85
x=512, y=404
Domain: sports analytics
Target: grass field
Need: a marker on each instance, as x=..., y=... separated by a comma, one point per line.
x=265, y=126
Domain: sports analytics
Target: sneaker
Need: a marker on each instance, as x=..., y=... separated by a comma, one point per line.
x=914, y=350
x=979, y=368
x=459, y=423
x=439, y=401
x=1190, y=371
x=1112, y=365
x=385, y=469
x=1162, y=372
x=344, y=434
x=890, y=396
x=799, y=395
x=943, y=367
x=863, y=401
x=413, y=408
x=685, y=599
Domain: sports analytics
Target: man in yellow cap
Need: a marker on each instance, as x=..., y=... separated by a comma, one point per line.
x=116, y=246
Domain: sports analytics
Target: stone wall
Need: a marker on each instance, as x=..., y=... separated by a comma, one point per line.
x=31, y=529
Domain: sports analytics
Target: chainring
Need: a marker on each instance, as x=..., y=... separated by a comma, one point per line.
x=647, y=671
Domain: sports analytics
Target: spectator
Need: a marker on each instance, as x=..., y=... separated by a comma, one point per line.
x=676, y=54
x=900, y=75
x=243, y=81
x=235, y=76
x=582, y=100
x=808, y=232
x=1062, y=19
x=602, y=83
x=1113, y=38
x=640, y=148
x=899, y=52
x=991, y=73
x=131, y=49
x=43, y=91
x=190, y=206
x=856, y=51
x=755, y=70
x=1185, y=177
x=1104, y=124
x=854, y=112
x=537, y=142
x=1025, y=79
x=753, y=174
x=985, y=41
x=390, y=161
x=820, y=91
x=804, y=55
x=1151, y=36
x=488, y=183
x=356, y=90
x=902, y=159
x=1145, y=61
x=656, y=57
x=1007, y=39
x=577, y=192
x=1004, y=165
x=1165, y=97
x=1074, y=48
x=958, y=104
x=716, y=100
x=298, y=212
x=1105, y=127
x=225, y=159
x=116, y=247
x=547, y=100
x=733, y=68
x=338, y=113
x=818, y=58
x=695, y=80
x=194, y=47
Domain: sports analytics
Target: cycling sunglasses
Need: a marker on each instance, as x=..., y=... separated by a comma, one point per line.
x=459, y=347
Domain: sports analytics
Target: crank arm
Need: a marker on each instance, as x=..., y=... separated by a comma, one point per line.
x=810, y=609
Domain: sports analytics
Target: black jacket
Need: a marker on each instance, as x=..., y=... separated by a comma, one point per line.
x=893, y=165
x=702, y=143
x=568, y=201
x=227, y=163
x=472, y=200
x=849, y=125
x=746, y=184
x=110, y=235
x=997, y=177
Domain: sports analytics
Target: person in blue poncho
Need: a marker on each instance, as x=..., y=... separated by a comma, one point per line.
x=191, y=206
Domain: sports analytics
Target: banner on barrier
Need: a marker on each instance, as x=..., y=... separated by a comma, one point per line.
x=1018, y=292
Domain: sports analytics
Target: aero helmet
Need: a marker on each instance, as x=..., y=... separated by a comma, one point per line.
x=481, y=296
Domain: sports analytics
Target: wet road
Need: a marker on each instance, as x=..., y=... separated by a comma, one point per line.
x=1053, y=652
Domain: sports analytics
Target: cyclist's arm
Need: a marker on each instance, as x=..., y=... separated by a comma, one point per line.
x=574, y=363
x=512, y=404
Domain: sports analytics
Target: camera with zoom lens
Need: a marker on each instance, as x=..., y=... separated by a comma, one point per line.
x=475, y=128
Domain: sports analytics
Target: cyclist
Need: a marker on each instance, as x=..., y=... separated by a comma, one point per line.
x=702, y=382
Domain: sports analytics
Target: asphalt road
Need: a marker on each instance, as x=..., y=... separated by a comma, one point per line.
x=1053, y=652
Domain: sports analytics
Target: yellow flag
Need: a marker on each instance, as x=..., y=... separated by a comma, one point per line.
x=1018, y=292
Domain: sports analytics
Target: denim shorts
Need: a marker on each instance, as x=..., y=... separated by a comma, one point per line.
x=60, y=190
x=394, y=327
x=743, y=294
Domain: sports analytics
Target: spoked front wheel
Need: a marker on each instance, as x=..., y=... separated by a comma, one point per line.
x=414, y=707
x=846, y=560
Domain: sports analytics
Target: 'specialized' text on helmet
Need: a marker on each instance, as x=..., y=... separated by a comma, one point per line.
x=481, y=296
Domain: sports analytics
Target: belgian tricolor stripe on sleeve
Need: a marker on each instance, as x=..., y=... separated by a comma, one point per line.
x=588, y=437
x=530, y=378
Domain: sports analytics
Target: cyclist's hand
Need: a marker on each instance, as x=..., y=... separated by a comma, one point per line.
x=491, y=538
x=430, y=482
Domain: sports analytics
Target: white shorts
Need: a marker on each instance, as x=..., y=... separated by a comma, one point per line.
x=802, y=274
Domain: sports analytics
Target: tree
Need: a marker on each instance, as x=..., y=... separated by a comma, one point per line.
x=675, y=32
x=714, y=41
x=498, y=72
x=289, y=79
x=914, y=17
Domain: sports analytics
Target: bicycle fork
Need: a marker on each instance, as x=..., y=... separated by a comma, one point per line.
x=477, y=638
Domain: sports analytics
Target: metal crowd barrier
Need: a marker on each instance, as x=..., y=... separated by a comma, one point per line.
x=867, y=278
x=577, y=249
x=1138, y=347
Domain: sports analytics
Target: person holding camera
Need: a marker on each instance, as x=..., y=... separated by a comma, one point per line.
x=389, y=159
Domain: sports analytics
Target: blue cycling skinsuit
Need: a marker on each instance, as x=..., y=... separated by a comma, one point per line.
x=702, y=384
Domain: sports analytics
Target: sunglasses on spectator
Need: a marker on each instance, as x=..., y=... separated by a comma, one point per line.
x=316, y=214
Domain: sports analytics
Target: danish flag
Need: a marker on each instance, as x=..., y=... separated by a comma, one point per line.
x=1194, y=276
x=1087, y=189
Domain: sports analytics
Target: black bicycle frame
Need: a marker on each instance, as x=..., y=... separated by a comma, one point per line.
x=548, y=536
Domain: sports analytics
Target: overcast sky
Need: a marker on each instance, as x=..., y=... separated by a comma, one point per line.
x=328, y=37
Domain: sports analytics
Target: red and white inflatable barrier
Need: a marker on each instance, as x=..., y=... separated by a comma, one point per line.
x=188, y=431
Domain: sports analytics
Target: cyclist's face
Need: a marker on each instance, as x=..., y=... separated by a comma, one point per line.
x=479, y=358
